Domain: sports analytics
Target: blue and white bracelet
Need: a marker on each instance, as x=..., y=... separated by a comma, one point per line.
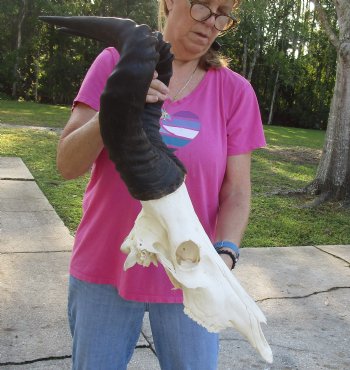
x=227, y=244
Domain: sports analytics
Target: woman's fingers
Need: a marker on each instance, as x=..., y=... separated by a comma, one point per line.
x=154, y=95
x=151, y=98
x=157, y=90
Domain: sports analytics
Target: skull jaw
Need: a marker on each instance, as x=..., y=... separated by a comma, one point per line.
x=168, y=230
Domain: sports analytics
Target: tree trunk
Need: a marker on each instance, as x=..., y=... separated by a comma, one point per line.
x=255, y=55
x=332, y=181
x=333, y=174
x=273, y=98
x=18, y=47
x=245, y=57
x=36, y=84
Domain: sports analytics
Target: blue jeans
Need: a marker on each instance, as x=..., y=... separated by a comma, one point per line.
x=105, y=329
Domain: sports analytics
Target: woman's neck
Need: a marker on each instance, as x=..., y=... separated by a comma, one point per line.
x=181, y=66
x=186, y=76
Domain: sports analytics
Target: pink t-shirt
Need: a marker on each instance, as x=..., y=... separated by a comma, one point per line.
x=218, y=119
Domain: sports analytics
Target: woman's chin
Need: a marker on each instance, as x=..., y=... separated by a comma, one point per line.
x=195, y=51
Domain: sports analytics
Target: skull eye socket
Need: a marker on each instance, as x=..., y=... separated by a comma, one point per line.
x=187, y=254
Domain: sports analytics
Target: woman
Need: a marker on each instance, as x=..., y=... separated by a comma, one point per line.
x=211, y=121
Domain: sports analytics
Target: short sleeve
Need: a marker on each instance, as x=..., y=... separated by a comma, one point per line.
x=96, y=78
x=244, y=130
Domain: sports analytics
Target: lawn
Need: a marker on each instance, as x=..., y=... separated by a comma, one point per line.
x=289, y=162
x=33, y=114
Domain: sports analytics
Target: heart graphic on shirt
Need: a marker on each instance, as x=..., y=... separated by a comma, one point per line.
x=179, y=129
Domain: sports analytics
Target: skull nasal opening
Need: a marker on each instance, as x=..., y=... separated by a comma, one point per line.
x=187, y=254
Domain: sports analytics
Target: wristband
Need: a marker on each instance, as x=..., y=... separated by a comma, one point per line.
x=232, y=255
x=227, y=244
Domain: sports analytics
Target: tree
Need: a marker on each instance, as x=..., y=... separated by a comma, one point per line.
x=37, y=63
x=280, y=48
x=332, y=181
x=21, y=16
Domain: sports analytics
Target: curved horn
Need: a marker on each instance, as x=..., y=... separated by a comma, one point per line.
x=129, y=127
x=112, y=31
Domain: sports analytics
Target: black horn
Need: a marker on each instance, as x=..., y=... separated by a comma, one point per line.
x=109, y=30
x=129, y=127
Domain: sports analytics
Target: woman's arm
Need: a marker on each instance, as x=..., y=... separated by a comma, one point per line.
x=235, y=197
x=80, y=142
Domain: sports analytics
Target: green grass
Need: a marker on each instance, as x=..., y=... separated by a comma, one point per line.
x=287, y=137
x=290, y=162
x=33, y=114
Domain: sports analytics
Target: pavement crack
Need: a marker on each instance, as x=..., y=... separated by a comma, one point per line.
x=333, y=255
x=15, y=179
x=43, y=359
x=143, y=346
x=57, y=358
x=150, y=346
x=304, y=296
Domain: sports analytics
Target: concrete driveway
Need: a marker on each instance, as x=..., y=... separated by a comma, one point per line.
x=303, y=291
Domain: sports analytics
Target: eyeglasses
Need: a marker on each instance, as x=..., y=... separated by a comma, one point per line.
x=200, y=12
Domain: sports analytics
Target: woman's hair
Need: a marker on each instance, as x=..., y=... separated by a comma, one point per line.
x=212, y=58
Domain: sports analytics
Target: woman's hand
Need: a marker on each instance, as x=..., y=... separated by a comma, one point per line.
x=157, y=90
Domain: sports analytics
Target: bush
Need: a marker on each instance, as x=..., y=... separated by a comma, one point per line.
x=4, y=96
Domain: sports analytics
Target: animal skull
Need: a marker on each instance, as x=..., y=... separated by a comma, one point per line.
x=168, y=230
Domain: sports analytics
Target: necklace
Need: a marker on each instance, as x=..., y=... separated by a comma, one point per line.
x=186, y=84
